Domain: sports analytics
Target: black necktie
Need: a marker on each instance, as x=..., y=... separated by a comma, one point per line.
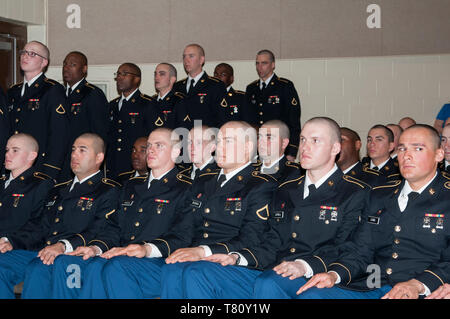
x=69, y=92
x=197, y=173
x=375, y=168
x=412, y=196
x=26, y=89
x=191, y=86
x=263, y=86
x=153, y=182
x=75, y=186
x=312, y=189
x=222, y=178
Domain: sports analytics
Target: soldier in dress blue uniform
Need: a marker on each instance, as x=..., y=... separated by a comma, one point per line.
x=273, y=138
x=348, y=160
x=204, y=94
x=74, y=213
x=405, y=232
x=380, y=144
x=397, y=131
x=227, y=212
x=171, y=109
x=201, y=145
x=311, y=216
x=23, y=190
x=129, y=119
x=88, y=108
x=149, y=206
x=271, y=97
x=234, y=104
x=445, y=144
x=38, y=107
x=138, y=161
x=4, y=128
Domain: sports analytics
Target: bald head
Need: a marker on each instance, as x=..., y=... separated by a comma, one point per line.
x=98, y=144
x=406, y=122
x=29, y=142
x=331, y=125
x=21, y=152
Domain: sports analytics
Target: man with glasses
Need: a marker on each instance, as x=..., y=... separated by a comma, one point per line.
x=129, y=119
x=38, y=107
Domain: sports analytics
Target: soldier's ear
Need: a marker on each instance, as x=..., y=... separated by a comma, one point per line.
x=358, y=145
x=336, y=149
x=99, y=158
x=32, y=156
x=440, y=154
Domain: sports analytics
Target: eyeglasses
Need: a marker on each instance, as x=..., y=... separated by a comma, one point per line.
x=125, y=73
x=31, y=54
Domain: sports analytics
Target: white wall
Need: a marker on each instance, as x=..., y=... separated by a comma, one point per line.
x=356, y=92
x=25, y=11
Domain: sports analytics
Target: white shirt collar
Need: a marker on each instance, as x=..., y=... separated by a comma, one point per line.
x=151, y=177
x=231, y=174
x=277, y=162
x=32, y=80
x=447, y=163
x=73, y=87
x=372, y=165
x=9, y=180
x=162, y=97
x=267, y=81
x=350, y=168
x=76, y=180
x=228, y=88
x=196, y=79
x=319, y=182
x=407, y=188
x=129, y=96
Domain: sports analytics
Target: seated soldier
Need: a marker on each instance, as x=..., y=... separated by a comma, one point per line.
x=201, y=146
x=404, y=236
x=150, y=205
x=138, y=161
x=23, y=190
x=227, y=212
x=73, y=214
x=312, y=216
x=348, y=160
x=380, y=144
x=273, y=138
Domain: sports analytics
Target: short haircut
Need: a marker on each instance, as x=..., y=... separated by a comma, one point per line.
x=396, y=125
x=351, y=133
x=134, y=67
x=436, y=139
x=97, y=142
x=174, y=138
x=204, y=128
x=172, y=69
x=335, y=130
x=284, y=129
x=227, y=66
x=199, y=48
x=83, y=57
x=32, y=143
x=249, y=133
x=45, y=48
x=269, y=53
x=386, y=129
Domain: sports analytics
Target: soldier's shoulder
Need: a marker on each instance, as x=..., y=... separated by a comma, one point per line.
x=239, y=92
x=16, y=85
x=263, y=177
x=184, y=179
x=110, y=182
x=355, y=181
x=284, y=80
x=292, y=181
x=369, y=170
x=214, y=79
x=386, y=188
x=146, y=97
x=63, y=184
x=43, y=177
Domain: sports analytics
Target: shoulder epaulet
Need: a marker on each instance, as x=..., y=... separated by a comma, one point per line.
x=216, y=172
x=143, y=177
x=182, y=80
x=41, y=175
x=2, y=178
x=180, y=95
x=293, y=164
x=183, y=178
x=124, y=173
x=116, y=99
x=256, y=81
x=52, y=82
x=155, y=96
x=184, y=169
x=16, y=84
x=393, y=175
x=110, y=182
x=89, y=85
x=263, y=176
x=445, y=174
x=298, y=179
x=257, y=164
x=239, y=92
x=393, y=184
x=369, y=170
x=355, y=181
x=64, y=183
x=284, y=80
x=146, y=97
x=213, y=78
